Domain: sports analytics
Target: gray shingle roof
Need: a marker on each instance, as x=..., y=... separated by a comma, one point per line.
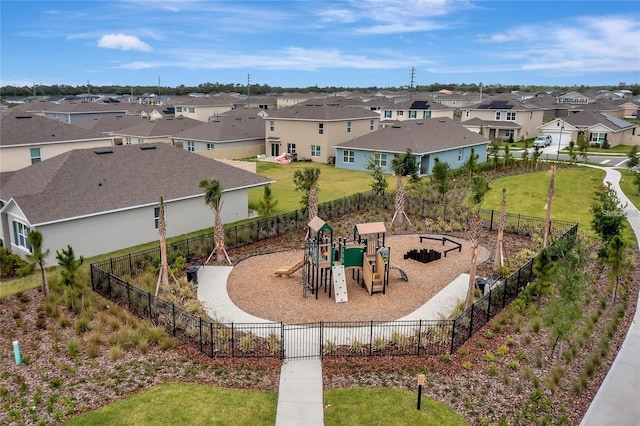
x=589, y=118
x=159, y=127
x=82, y=182
x=322, y=112
x=226, y=129
x=20, y=128
x=420, y=136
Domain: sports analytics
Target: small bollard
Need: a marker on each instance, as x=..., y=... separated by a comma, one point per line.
x=420, y=383
x=16, y=352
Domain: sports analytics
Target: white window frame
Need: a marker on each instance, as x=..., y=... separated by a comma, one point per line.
x=315, y=150
x=511, y=116
x=127, y=140
x=459, y=155
x=140, y=140
x=35, y=158
x=427, y=114
x=20, y=231
x=388, y=114
x=191, y=146
x=498, y=115
x=400, y=113
x=467, y=114
x=348, y=156
x=371, y=124
x=179, y=109
x=291, y=148
x=210, y=146
x=321, y=128
x=156, y=217
x=348, y=127
x=597, y=137
x=413, y=114
x=380, y=159
x=509, y=133
x=192, y=110
x=272, y=125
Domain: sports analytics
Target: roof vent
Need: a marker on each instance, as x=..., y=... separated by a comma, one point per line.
x=441, y=120
x=419, y=123
x=144, y=147
x=19, y=117
x=103, y=151
x=396, y=126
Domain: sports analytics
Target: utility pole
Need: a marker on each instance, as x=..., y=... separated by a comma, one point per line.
x=248, y=88
x=480, y=91
x=88, y=87
x=413, y=75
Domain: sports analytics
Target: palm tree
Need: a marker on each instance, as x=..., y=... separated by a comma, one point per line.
x=500, y=254
x=402, y=165
x=37, y=256
x=547, y=220
x=479, y=188
x=162, y=231
x=616, y=262
x=213, y=198
x=306, y=180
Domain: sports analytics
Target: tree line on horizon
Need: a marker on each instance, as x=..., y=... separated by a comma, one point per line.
x=263, y=89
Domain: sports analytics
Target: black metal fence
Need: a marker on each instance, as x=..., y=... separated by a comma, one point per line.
x=323, y=339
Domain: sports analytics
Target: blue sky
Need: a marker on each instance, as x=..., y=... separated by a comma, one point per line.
x=356, y=43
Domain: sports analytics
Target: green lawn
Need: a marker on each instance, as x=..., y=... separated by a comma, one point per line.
x=333, y=184
x=385, y=406
x=629, y=189
x=186, y=404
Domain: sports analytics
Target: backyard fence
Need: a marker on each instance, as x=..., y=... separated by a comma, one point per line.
x=320, y=339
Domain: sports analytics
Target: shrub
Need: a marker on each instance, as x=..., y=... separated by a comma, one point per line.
x=73, y=348
x=379, y=344
x=247, y=343
x=115, y=352
x=10, y=264
x=357, y=346
x=328, y=347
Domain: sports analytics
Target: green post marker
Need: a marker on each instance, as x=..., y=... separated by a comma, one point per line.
x=16, y=352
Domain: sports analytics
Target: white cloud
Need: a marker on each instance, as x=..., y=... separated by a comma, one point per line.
x=123, y=42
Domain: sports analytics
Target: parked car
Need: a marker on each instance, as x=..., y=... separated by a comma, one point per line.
x=542, y=141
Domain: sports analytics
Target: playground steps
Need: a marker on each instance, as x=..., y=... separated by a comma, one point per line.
x=403, y=274
x=288, y=270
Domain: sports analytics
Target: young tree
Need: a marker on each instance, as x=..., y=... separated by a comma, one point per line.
x=508, y=156
x=498, y=260
x=479, y=188
x=573, y=155
x=472, y=163
x=213, y=198
x=267, y=204
x=616, y=262
x=69, y=267
x=306, y=180
x=402, y=165
x=379, y=184
x=633, y=157
x=636, y=180
x=583, y=146
x=535, y=156
x=162, y=234
x=525, y=158
x=608, y=215
x=547, y=220
x=37, y=256
x=494, y=152
x=440, y=177
x=544, y=269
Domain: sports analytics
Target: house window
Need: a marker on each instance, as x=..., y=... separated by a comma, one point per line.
x=20, y=231
x=598, y=138
x=210, y=146
x=348, y=127
x=192, y=110
x=498, y=114
x=511, y=116
x=349, y=156
x=509, y=133
x=413, y=114
x=156, y=217
x=127, y=141
x=315, y=150
x=291, y=148
x=191, y=146
x=400, y=113
x=426, y=114
x=459, y=155
x=140, y=140
x=178, y=109
x=388, y=114
x=321, y=128
x=272, y=125
x=371, y=123
x=380, y=159
x=35, y=155
x=467, y=114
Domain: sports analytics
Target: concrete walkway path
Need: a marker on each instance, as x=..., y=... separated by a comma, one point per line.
x=617, y=402
x=300, y=400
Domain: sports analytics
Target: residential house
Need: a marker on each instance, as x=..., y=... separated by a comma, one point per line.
x=310, y=131
x=238, y=133
x=414, y=110
x=27, y=139
x=456, y=100
x=573, y=98
x=106, y=199
x=78, y=112
x=441, y=138
x=160, y=130
x=630, y=107
x=596, y=127
x=202, y=109
x=504, y=119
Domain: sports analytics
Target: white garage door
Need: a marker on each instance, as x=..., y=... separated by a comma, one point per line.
x=566, y=138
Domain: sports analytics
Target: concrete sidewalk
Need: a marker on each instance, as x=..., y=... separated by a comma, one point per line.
x=300, y=400
x=617, y=402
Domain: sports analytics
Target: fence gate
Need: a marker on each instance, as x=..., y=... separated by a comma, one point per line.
x=302, y=341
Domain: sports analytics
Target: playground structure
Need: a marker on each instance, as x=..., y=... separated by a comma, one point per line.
x=326, y=263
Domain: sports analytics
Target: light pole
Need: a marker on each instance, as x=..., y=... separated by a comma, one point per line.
x=561, y=124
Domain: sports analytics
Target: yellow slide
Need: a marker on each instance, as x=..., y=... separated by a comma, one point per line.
x=288, y=270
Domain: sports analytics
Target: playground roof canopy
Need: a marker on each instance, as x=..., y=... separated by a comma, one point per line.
x=316, y=225
x=371, y=228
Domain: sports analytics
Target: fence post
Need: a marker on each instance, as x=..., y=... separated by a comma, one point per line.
x=453, y=334
x=471, y=322
x=518, y=225
x=200, y=322
x=321, y=338
x=211, y=336
x=233, y=345
x=149, y=297
x=128, y=296
x=130, y=265
x=111, y=263
x=282, y=342
x=489, y=305
x=370, y=337
x=491, y=221
x=109, y=285
x=419, y=335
